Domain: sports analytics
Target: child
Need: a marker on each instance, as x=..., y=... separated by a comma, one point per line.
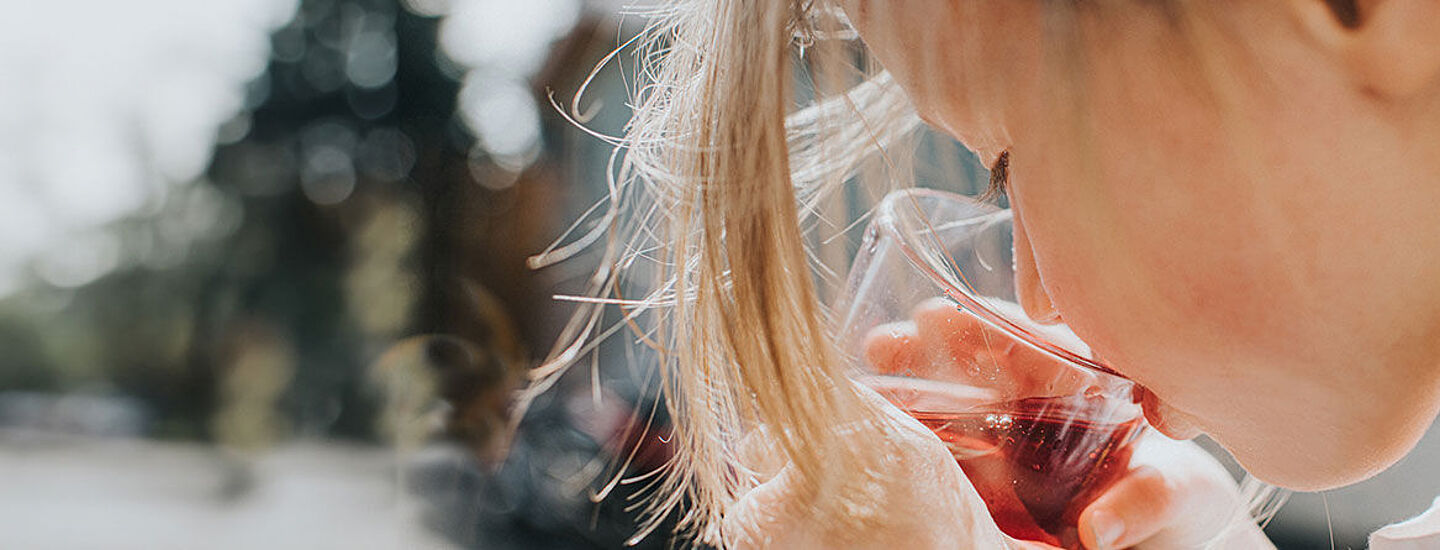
x=1234, y=203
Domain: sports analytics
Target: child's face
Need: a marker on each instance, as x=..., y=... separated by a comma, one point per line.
x=1221, y=209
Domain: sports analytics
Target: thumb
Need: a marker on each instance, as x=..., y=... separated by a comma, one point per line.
x=1136, y=508
x=1192, y=503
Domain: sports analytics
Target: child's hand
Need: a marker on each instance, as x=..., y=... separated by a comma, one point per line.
x=941, y=343
x=1174, y=497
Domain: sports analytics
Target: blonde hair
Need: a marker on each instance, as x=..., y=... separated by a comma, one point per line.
x=709, y=252
x=706, y=250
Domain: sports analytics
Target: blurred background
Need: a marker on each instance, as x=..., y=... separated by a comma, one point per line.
x=263, y=281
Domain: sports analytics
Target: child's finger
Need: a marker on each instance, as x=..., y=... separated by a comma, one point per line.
x=1136, y=508
x=894, y=348
x=959, y=346
x=1193, y=504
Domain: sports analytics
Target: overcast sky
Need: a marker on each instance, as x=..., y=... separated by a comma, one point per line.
x=109, y=107
x=103, y=103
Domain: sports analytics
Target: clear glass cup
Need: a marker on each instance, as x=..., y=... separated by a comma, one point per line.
x=933, y=323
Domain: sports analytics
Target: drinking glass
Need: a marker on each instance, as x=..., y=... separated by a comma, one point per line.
x=932, y=322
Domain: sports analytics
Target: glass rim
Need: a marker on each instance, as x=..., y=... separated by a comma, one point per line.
x=886, y=220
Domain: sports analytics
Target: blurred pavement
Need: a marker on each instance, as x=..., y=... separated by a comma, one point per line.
x=65, y=493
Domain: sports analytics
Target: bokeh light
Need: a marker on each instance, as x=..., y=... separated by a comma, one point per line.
x=503, y=44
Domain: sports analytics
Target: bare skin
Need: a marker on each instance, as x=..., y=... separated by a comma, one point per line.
x=1175, y=496
x=1239, y=212
x=1237, y=206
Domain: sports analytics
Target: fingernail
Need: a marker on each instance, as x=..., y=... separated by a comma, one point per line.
x=1107, y=529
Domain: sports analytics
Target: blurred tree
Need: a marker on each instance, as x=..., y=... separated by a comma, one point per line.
x=346, y=161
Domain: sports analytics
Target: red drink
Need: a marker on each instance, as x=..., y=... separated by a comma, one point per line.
x=1036, y=462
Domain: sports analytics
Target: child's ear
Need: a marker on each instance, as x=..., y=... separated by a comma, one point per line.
x=1390, y=47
